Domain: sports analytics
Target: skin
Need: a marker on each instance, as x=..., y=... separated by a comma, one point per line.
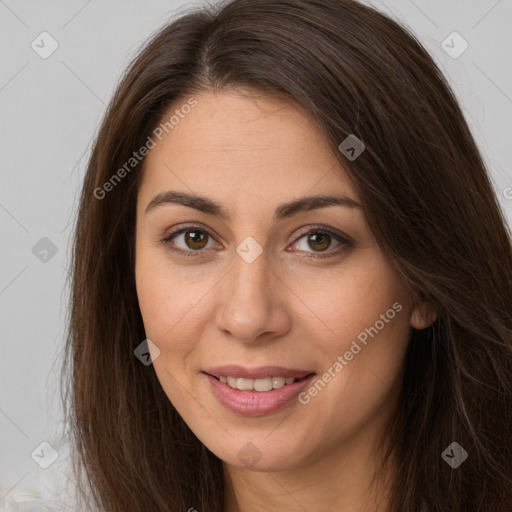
x=250, y=155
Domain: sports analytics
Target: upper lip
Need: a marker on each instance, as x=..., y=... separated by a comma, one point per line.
x=260, y=372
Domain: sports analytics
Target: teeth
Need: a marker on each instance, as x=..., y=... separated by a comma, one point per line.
x=256, y=384
x=279, y=382
x=244, y=384
x=263, y=384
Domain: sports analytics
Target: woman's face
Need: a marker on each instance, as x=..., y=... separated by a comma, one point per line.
x=251, y=288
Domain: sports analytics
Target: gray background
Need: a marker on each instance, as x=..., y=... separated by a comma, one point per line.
x=50, y=110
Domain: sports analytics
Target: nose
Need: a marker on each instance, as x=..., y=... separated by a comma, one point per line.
x=251, y=304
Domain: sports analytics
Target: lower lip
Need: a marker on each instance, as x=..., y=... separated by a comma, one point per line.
x=256, y=403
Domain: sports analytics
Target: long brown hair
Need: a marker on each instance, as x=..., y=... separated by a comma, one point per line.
x=428, y=201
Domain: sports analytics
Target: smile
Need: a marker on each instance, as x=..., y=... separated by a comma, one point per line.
x=265, y=384
x=258, y=391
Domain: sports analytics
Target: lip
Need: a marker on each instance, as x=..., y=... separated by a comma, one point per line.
x=257, y=403
x=261, y=372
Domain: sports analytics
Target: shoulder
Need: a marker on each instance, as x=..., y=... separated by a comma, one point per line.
x=55, y=488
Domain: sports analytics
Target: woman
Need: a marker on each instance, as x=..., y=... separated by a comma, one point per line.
x=286, y=214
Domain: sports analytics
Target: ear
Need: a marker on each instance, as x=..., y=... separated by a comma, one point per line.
x=423, y=315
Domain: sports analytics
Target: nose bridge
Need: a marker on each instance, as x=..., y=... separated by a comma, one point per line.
x=248, y=306
x=250, y=278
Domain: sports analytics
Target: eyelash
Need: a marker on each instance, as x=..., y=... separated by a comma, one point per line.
x=343, y=240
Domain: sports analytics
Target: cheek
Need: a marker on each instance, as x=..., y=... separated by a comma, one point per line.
x=363, y=350
x=171, y=303
x=370, y=317
x=349, y=300
x=172, y=308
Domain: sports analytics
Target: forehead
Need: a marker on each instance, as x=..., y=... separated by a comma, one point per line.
x=242, y=149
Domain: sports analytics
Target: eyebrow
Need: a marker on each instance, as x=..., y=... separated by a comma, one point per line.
x=208, y=206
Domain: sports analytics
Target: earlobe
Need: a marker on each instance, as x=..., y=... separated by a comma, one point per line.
x=423, y=315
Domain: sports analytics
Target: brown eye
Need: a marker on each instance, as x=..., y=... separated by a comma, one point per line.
x=195, y=238
x=319, y=241
x=189, y=240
